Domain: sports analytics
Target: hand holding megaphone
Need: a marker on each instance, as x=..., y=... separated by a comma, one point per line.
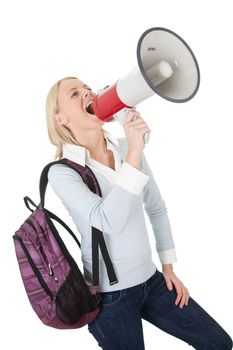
x=135, y=129
x=121, y=117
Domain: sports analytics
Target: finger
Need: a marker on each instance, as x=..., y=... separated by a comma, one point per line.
x=179, y=295
x=137, y=121
x=135, y=116
x=139, y=127
x=183, y=299
x=168, y=282
x=131, y=116
x=137, y=124
x=187, y=297
x=129, y=120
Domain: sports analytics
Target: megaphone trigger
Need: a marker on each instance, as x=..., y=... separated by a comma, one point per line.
x=122, y=114
x=146, y=137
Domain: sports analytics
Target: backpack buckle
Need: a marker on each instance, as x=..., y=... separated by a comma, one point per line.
x=113, y=282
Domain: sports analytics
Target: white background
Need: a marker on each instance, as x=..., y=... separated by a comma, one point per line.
x=190, y=149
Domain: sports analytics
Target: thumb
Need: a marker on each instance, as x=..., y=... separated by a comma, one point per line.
x=132, y=113
x=168, y=282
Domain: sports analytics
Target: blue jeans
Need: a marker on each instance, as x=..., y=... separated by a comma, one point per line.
x=119, y=326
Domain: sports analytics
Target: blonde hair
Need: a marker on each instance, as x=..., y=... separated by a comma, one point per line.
x=58, y=134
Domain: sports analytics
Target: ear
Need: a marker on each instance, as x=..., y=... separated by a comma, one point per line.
x=60, y=118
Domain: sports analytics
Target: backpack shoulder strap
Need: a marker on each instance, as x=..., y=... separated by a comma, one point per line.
x=90, y=180
x=85, y=172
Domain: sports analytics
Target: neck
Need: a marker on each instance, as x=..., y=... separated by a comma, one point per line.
x=94, y=141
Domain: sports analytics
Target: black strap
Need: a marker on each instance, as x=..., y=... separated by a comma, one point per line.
x=26, y=200
x=55, y=217
x=97, y=236
x=98, y=241
x=52, y=216
x=84, y=171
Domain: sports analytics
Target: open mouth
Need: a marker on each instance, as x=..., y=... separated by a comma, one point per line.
x=89, y=108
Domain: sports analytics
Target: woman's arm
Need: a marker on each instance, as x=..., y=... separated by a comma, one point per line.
x=157, y=213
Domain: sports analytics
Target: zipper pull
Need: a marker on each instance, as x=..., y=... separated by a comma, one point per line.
x=50, y=271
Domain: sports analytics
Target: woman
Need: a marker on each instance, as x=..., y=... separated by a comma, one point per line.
x=126, y=182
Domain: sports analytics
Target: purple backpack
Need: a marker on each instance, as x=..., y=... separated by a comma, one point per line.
x=54, y=284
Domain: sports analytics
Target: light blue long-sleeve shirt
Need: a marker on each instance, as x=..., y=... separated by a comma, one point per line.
x=119, y=213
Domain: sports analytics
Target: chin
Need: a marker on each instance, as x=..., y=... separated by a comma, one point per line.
x=100, y=121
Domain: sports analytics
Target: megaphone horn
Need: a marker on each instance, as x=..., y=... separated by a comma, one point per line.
x=166, y=66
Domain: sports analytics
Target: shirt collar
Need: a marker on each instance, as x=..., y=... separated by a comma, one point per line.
x=79, y=154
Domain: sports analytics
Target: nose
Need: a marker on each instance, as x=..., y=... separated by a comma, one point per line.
x=87, y=93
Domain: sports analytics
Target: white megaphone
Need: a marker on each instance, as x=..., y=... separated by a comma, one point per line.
x=166, y=66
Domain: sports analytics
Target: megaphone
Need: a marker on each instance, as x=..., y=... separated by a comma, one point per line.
x=166, y=67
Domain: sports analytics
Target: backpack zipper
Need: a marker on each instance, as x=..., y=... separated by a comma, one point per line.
x=34, y=268
x=50, y=272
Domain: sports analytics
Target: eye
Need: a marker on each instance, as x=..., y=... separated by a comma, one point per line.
x=75, y=94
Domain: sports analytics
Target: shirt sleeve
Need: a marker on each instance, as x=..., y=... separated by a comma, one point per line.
x=109, y=214
x=132, y=179
x=157, y=212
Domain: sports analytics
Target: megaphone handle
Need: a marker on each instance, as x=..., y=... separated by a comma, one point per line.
x=146, y=136
x=120, y=117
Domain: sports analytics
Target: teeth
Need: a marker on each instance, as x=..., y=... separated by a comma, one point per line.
x=88, y=103
x=86, y=108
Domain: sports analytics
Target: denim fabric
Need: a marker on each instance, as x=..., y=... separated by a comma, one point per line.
x=119, y=323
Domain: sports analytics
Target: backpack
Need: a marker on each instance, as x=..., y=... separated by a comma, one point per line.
x=55, y=286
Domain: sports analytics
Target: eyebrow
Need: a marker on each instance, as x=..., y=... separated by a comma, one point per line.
x=85, y=85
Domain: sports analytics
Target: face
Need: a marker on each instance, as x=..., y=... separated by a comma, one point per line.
x=73, y=96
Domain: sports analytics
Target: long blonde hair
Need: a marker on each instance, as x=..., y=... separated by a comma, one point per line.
x=58, y=134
